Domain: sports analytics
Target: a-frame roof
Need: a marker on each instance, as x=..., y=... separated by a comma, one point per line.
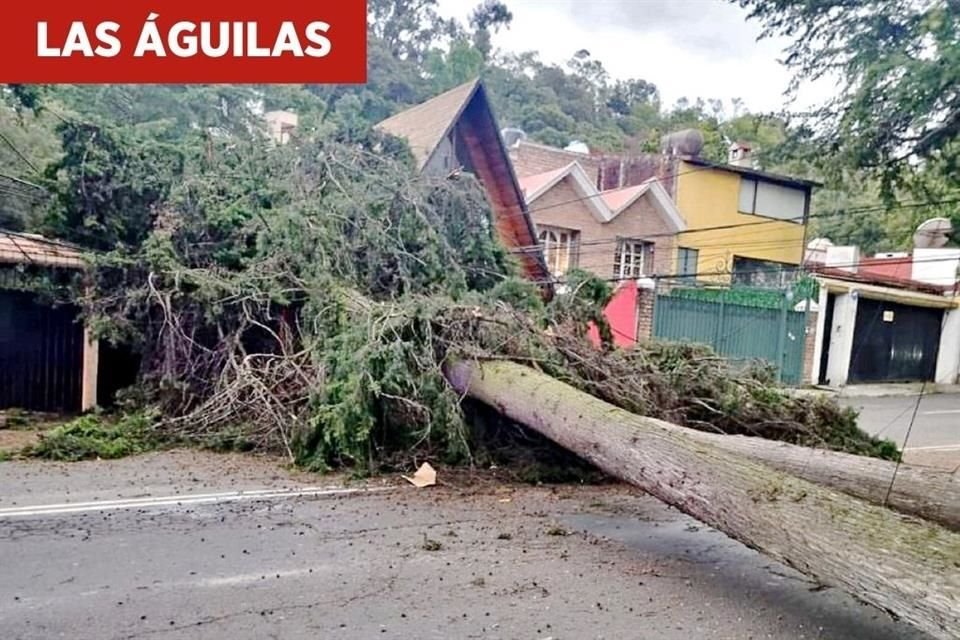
x=467, y=107
x=426, y=125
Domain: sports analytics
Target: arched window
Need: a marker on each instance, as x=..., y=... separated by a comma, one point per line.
x=559, y=249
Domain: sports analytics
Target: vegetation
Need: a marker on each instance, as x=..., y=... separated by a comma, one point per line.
x=876, y=144
x=305, y=298
x=891, y=131
x=93, y=436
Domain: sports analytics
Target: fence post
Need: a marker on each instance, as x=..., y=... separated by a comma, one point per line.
x=782, y=334
x=720, y=336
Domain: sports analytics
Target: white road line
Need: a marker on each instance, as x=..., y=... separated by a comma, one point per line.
x=181, y=500
x=946, y=447
x=185, y=496
x=941, y=413
x=251, y=578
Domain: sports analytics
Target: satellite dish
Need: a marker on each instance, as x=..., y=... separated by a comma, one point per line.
x=933, y=233
x=512, y=136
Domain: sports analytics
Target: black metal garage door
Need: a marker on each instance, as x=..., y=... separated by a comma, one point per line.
x=894, y=342
x=41, y=355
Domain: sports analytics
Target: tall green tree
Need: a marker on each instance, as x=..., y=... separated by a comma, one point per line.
x=898, y=63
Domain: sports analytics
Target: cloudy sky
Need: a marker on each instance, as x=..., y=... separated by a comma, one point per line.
x=688, y=48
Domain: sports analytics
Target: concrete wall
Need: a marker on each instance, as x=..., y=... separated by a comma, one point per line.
x=841, y=338
x=948, y=358
x=819, y=335
x=91, y=366
x=936, y=266
x=562, y=206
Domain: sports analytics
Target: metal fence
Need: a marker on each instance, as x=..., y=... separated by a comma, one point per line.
x=736, y=331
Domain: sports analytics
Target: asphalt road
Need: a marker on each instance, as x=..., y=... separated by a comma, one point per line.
x=935, y=436
x=164, y=546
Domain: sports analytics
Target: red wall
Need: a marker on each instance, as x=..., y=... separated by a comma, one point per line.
x=621, y=313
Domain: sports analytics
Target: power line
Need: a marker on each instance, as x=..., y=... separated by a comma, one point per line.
x=26, y=183
x=684, y=276
x=19, y=153
x=740, y=225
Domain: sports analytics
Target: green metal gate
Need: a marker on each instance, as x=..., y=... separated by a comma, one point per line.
x=736, y=331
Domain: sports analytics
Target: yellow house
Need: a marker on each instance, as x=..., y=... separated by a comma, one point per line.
x=744, y=226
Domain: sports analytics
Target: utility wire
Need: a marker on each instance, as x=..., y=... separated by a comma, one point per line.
x=17, y=151
x=740, y=225
x=26, y=183
x=680, y=276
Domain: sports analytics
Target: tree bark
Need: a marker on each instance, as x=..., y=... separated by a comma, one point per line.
x=927, y=493
x=903, y=565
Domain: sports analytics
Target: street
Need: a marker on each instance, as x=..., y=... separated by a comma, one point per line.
x=176, y=545
x=935, y=436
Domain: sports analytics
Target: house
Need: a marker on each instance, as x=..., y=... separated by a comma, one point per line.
x=889, y=318
x=457, y=131
x=280, y=125
x=620, y=234
x=743, y=225
x=50, y=359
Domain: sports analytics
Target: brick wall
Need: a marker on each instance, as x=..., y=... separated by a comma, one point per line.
x=646, y=299
x=530, y=159
x=563, y=207
x=606, y=171
x=809, y=346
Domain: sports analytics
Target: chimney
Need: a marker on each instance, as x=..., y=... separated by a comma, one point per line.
x=738, y=154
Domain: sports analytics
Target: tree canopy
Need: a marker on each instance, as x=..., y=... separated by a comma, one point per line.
x=889, y=136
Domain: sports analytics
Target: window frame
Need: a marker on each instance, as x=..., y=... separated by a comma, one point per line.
x=572, y=246
x=645, y=253
x=682, y=271
x=746, y=182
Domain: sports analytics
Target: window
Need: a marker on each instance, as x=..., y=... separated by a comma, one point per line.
x=772, y=200
x=559, y=248
x=763, y=273
x=633, y=259
x=687, y=263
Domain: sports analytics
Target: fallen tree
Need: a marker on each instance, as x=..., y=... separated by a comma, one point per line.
x=908, y=567
x=305, y=299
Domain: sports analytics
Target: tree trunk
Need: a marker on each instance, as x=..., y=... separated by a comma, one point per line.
x=903, y=565
x=931, y=494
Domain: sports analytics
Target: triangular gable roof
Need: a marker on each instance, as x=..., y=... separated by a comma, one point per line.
x=605, y=205
x=426, y=124
x=619, y=200
x=536, y=185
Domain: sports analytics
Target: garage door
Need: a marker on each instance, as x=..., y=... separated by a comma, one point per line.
x=894, y=342
x=41, y=354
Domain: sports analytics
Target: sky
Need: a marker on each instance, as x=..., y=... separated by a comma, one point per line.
x=688, y=48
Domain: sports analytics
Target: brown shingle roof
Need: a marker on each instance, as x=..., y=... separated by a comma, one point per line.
x=425, y=125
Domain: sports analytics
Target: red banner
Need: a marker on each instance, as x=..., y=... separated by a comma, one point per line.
x=181, y=41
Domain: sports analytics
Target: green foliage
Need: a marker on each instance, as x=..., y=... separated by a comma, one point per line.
x=805, y=288
x=899, y=68
x=116, y=177
x=94, y=436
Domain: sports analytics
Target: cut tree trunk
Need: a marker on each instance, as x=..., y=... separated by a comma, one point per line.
x=903, y=565
x=931, y=494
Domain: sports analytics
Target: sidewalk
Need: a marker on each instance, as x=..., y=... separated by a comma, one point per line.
x=878, y=390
